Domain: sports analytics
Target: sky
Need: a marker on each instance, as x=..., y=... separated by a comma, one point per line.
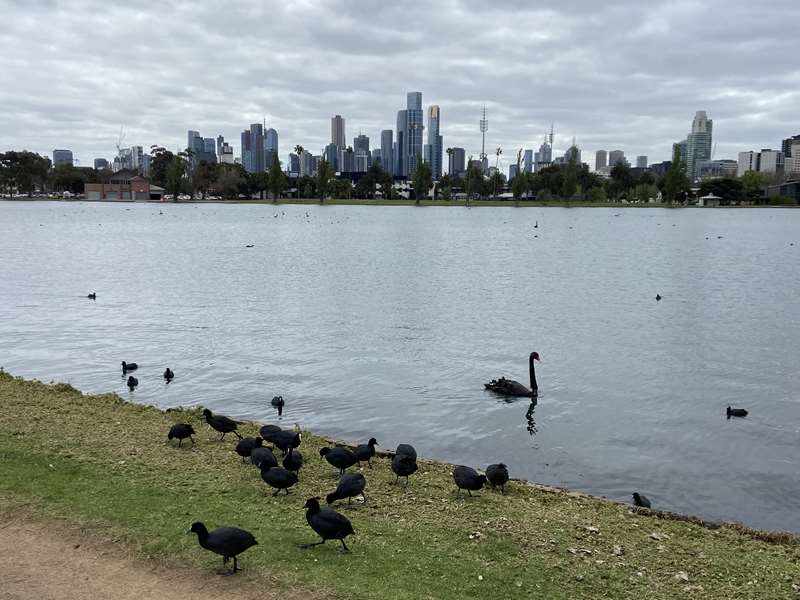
x=625, y=74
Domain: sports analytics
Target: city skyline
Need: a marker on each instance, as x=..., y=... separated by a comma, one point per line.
x=633, y=88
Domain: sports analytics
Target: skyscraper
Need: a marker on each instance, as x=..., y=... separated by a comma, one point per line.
x=528, y=161
x=698, y=143
x=100, y=163
x=456, y=163
x=641, y=162
x=544, y=157
x=62, y=157
x=337, y=132
x=253, y=148
x=386, y=151
x=361, y=143
x=600, y=160
x=332, y=157
x=786, y=146
x=270, y=147
x=616, y=157
x=376, y=157
x=434, y=141
x=748, y=161
x=294, y=164
x=400, y=160
x=414, y=128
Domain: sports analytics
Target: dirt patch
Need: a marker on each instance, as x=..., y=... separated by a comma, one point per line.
x=54, y=560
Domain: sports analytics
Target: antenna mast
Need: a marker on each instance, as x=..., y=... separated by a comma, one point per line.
x=484, y=127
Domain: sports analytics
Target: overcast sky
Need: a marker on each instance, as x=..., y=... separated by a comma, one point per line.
x=626, y=74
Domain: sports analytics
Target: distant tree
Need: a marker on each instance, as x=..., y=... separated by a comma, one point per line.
x=754, y=184
x=342, y=189
x=230, y=178
x=597, y=194
x=727, y=188
x=159, y=164
x=569, y=186
x=298, y=149
x=676, y=184
x=473, y=181
x=446, y=187
x=621, y=179
x=174, y=176
x=324, y=176
x=204, y=177
x=277, y=179
x=306, y=187
x=422, y=180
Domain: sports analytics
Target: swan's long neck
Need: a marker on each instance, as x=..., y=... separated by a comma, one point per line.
x=534, y=386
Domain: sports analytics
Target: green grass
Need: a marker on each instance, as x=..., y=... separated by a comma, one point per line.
x=102, y=461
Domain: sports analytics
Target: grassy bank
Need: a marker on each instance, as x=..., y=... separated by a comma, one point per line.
x=105, y=462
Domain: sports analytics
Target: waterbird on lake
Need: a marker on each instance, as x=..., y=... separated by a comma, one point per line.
x=246, y=446
x=641, y=500
x=467, y=478
x=181, y=431
x=261, y=456
x=277, y=402
x=365, y=452
x=293, y=461
x=341, y=458
x=220, y=423
x=132, y=382
x=509, y=387
x=350, y=485
x=249, y=245
x=328, y=524
x=278, y=478
x=658, y=297
x=128, y=367
x=168, y=375
x=228, y=542
x=736, y=412
x=92, y=296
x=497, y=475
x=536, y=226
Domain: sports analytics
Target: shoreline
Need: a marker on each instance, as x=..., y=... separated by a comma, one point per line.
x=105, y=462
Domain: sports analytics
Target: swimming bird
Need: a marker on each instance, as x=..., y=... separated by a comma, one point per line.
x=658, y=297
x=293, y=461
x=181, y=431
x=169, y=375
x=132, y=382
x=92, y=296
x=536, y=226
x=277, y=402
x=228, y=542
x=497, y=475
x=467, y=478
x=246, y=446
x=268, y=432
x=350, y=485
x=261, y=455
x=220, y=423
x=278, y=478
x=640, y=500
x=736, y=412
x=341, y=458
x=127, y=367
x=328, y=524
x=286, y=439
x=509, y=387
x=403, y=465
x=365, y=452
x=249, y=245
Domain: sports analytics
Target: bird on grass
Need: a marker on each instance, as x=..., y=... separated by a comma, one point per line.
x=736, y=412
x=286, y=439
x=269, y=432
x=293, y=461
x=181, y=431
x=246, y=446
x=261, y=456
x=350, y=486
x=328, y=524
x=497, y=475
x=641, y=500
x=403, y=465
x=128, y=367
x=132, y=382
x=169, y=375
x=365, y=452
x=407, y=450
x=277, y=402
x=278, y=478
x=341, y=458
x=228, y=542
x=221, y=423
x=467, y=478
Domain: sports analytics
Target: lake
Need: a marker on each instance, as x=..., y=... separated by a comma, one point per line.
x=386, y=322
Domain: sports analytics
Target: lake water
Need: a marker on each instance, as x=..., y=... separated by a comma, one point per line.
x=386, y=322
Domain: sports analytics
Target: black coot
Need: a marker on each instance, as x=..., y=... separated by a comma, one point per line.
x=128, y=367
x=406, y=450
x=278, y=478
x=467, y=478
x=403, y=465
x=641, y=500
x=246, y=446
x=268, y=432
x=365, y=452
x=132, y=382
x=329, y=524
x=293, y=461
x=341, y=458
x=497, y=475
x=92, y=296
x=181, y=431
x=736, y=412
x=286, y=439
x=168, y=375
x=350, y=486
x=220, y=423
x=228, y=542
x=261, y=456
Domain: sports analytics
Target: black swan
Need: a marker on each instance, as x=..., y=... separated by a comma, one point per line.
x=228, y=542
x=509, y=387
x=277, y=402
x=181, y=431
x=328, y=524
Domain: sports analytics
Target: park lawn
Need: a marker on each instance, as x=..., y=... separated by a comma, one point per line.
x=106, y=463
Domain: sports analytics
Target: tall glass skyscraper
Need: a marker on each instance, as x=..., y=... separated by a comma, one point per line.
x=414, y=128
x=337, y=132
x=434, y=146
x=270, y=147
x=400, y=154
x=386, y=151
x=253, y=147
x=698, y=143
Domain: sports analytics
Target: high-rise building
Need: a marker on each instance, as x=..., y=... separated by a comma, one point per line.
x=641, y=162
x=348, y=161
x=698, y=143
x=386, y=151
x=415, y=129
x=711, y=169
x=786, y=145
x=294, y=164
x=62, y=157
x=544, y=156
x=600, y=160
x=748, y=161
x=337, y=132
x=791, y=163
x=306, y=164
x=456, y=164
x=332, y=157
x=253, y=147
x=137, y=158
x=434, y=142
x=770, y=161
x=376, y=157
x=400, y=148
x=361, y=161
x=572, y=153
x=512, y=171
x=616, y=156
x=361, y=143
x=100, y=163
x=270, y=147
x=528, y=160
